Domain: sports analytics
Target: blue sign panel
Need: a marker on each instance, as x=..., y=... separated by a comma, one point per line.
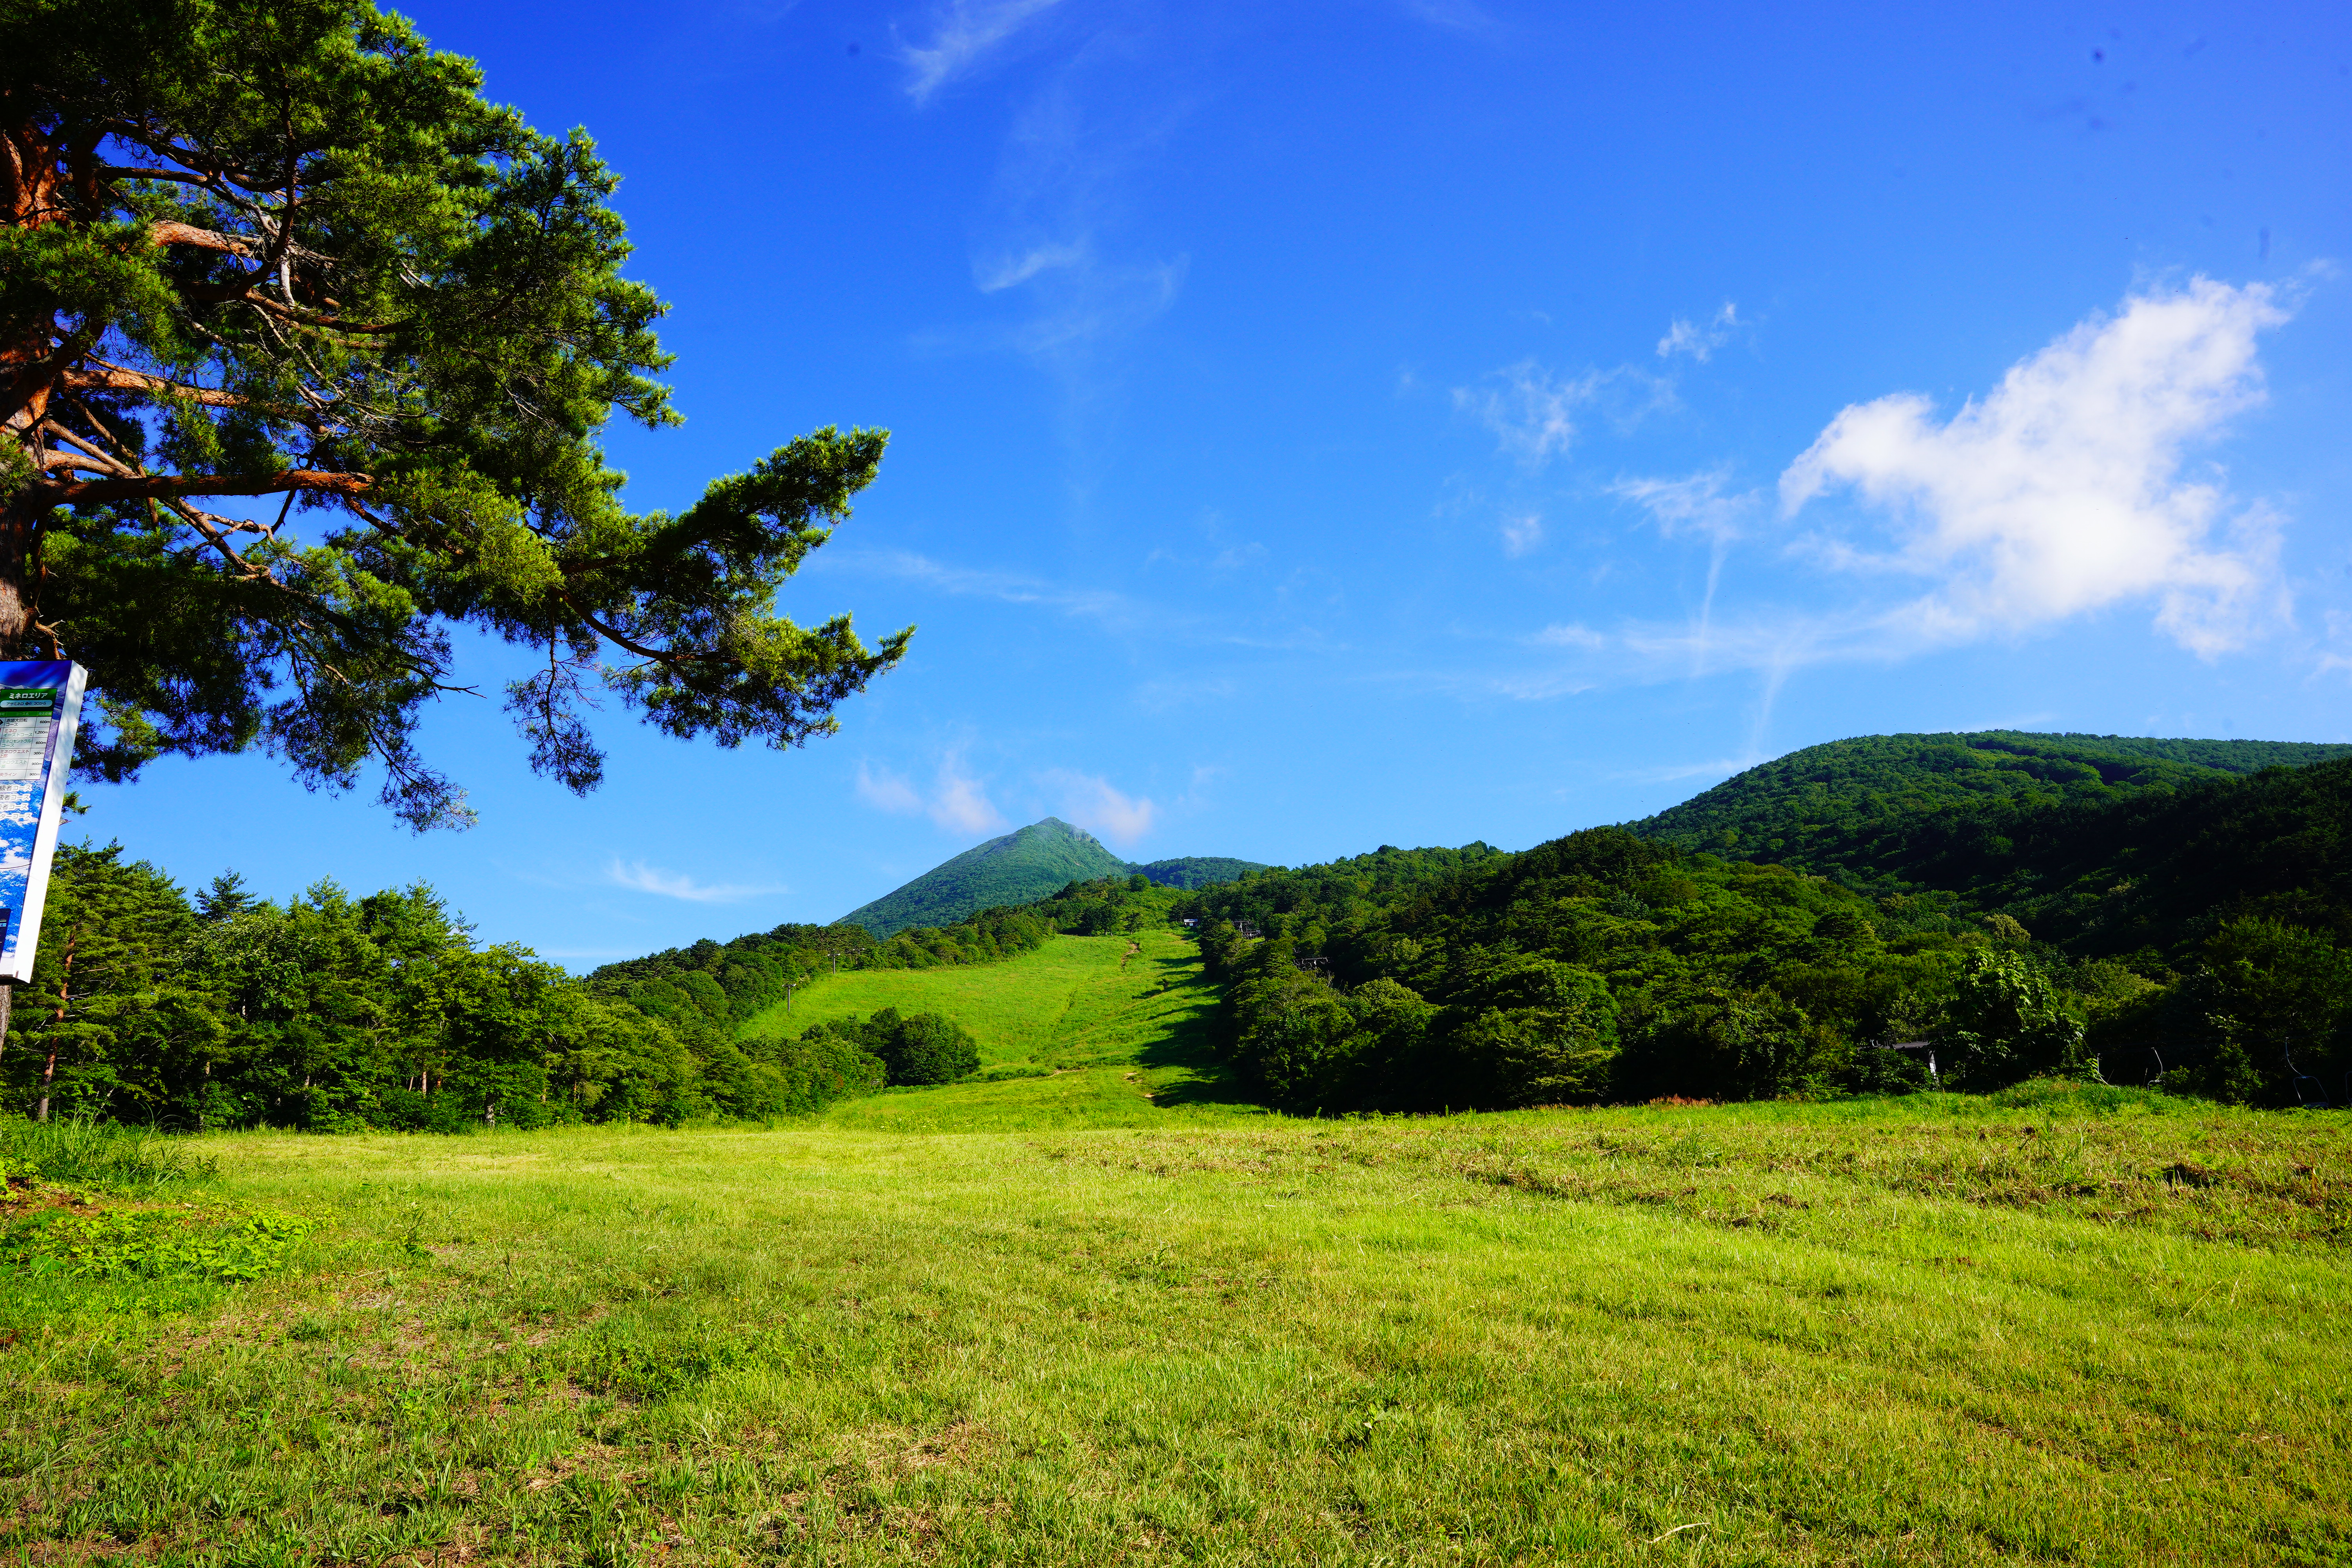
x=40, y=703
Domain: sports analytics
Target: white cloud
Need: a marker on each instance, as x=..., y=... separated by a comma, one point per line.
x=886, y=791
x=1007, y=587
x=966, y=35
x=641, y=878
x=1700, y=343
x=1007, y=271
x=1165, y=696
x=1454, y=15
x=1521, y=534
x=1571, y=635
x=1088, y=304
x=2339, y=636
x=1696, y=504
x=1530, y=413
x=960, y=803
x=957, y=801
x=1537, y=415
x=1674, y=773
x=2062, y=491
x=1093, y=804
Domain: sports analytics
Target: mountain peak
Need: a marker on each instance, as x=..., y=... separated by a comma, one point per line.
x=1020, y=867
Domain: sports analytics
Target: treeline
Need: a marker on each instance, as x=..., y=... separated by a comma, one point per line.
x=326, y=1012
x=332, y=1013
x=1608, y=966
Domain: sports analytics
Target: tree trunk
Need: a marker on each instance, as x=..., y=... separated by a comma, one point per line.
x=18, y=530
x=50, y=1072
x=34, y=193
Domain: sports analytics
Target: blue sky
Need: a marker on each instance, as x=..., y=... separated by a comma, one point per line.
x=1415, y=421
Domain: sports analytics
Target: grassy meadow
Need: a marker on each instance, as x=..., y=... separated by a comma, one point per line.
x=1055, y=1319
x=1086, y=1031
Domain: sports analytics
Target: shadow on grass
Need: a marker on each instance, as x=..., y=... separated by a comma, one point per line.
x=1189, y=1044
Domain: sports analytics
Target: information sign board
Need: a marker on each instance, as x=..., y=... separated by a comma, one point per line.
x=40, y=705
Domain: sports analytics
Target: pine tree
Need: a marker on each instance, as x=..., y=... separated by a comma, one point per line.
x=280, y=256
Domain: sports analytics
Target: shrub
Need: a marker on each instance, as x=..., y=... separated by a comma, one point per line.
x=929, y=1048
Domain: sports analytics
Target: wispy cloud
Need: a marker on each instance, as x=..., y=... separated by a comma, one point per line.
x=1694, y=504
x=1675, y=772
x=639, y=877
x=957, y=801
x=962, y=804
x=1056, y=252
x=2062, y=491
x=886, y=791
x=1536, y=415
x=1005, y=271
x=1532, y=413
x=1091, y=802
x=1685, y=337
x=2339, y=654
x=1454, y=15
x=1572, y=635
x=1521, y=534
x=1006, y=587
x=1187, y=691
x=963, y=35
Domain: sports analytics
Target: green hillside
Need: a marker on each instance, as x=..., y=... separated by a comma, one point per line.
x=2156, y=873
x=1023, y=867
x=1083, y=1031
x=2007, y=899
x=1850, y=803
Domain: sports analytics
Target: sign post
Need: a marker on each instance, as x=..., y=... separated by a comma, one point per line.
x=41, y=707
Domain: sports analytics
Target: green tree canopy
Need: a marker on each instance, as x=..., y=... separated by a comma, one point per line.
x=283, y=260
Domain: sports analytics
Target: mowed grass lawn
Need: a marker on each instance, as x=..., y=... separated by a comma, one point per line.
x=2096, y=1329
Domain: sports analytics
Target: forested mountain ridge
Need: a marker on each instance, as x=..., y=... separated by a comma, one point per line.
x=1187, y=871
x=1852, y=808
x=1020, y=867
x=2192, y=924
x=2154, y=875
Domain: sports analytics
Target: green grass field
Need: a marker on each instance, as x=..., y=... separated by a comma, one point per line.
x=1103, y=1031
x=1050, y=1320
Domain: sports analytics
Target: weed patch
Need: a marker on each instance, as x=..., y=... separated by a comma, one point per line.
x=106, y=1155
x=646, y=1370
x=79, y=1241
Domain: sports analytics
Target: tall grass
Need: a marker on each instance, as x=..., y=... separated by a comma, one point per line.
x=107, y=1155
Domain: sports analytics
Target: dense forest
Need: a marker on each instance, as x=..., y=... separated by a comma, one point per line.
x=330, y=1012
x=2195, y=931
x=1853, y=809
x=1926, y=914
